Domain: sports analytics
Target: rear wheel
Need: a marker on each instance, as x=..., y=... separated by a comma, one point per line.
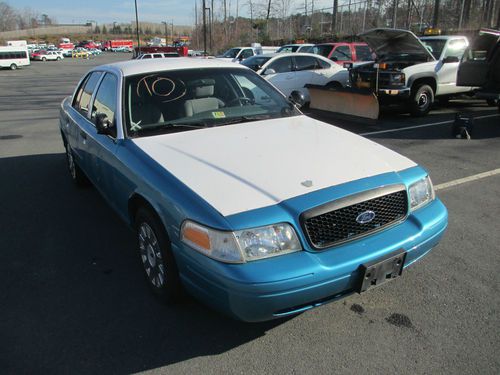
x=75, y=172
x=492, y=102
x=58, y=58
x=156, y=256
x=13, y=67
x=421, y=100
x=44, y=59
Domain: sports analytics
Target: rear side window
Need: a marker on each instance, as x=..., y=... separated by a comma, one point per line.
x=84, y=93
x=246, y=53
x=363, y=53
x=157, y=56
x=105, y=100
x=282, y=65
x=305, y=63
x=341, y=53
x=323, y=64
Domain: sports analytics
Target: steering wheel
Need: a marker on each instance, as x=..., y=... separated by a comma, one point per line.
x=241, y=100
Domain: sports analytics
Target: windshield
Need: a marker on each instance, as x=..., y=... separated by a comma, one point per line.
x=322, y=49
x=232, y=53
x=182, y=100
x=435, y=46
x=255, y=62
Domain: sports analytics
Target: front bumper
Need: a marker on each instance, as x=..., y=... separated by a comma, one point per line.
x=289, y=284
x=394, y=93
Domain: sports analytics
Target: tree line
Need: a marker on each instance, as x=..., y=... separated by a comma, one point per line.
x=26, y=18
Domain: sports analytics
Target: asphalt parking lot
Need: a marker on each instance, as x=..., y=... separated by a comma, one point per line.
x=73, y=299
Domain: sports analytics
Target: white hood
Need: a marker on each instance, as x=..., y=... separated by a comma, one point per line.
x=241, y=167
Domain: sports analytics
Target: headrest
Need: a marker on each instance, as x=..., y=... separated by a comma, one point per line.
x=203, y=91
x=202, y=88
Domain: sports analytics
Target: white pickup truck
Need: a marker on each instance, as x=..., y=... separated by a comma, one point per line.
x=411, y=70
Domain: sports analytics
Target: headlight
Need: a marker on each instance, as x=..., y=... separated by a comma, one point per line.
x=241, y=246
x=421, y=192
x=398, y=78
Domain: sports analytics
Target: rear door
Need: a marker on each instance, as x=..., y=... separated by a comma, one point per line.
x=473, y=69
x=79, y=121
x=283, y=78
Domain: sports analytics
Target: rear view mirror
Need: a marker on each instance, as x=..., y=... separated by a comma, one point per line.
x=102, y=124
x=297, y=98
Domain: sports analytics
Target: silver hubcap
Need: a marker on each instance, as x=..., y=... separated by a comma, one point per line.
x=71, y=162
x=151, y=257
x=422, y=100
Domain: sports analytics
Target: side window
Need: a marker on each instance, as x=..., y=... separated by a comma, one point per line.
x=157, y=56
x=146, y=56
x=323, y=64
x=363, y=53
x=84, y=94
x=455, y=48
x=282, y=65
x=252, y=91
x=105, y=100
x=305, y=63
x=341, y=53
x=246, y=53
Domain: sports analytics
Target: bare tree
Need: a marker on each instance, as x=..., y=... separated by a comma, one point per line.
x=7, y=17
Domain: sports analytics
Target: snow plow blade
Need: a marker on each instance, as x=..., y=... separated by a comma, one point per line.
x=349, y=101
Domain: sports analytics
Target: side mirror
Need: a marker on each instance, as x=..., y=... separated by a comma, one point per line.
x=297, y=98
x=102, y=124
x=268, y=71
x=348, y=65
x=451, y=59
x=333, y=58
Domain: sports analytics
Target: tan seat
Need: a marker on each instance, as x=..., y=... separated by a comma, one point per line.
x=203, y=99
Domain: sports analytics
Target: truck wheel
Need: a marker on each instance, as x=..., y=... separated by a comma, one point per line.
x=421, y=100
x=492, y=102
x=13, y=67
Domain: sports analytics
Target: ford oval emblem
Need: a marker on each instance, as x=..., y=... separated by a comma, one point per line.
x=365, y=217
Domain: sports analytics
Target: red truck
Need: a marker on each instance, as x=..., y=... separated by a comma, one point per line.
x=344, y=52
x=111, y=45
x=182, y=50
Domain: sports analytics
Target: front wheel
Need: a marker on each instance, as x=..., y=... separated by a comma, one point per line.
x=58, y=58
x=492, y=102
x=13, y=67
x=44, y=59
x=156, y=256
x=421, y=100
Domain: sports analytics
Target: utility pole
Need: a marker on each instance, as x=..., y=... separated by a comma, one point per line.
x=394, y=14
x=204, y=30
x=435, y=18
x=137, y=29
x=172, y=32
x=334, y=15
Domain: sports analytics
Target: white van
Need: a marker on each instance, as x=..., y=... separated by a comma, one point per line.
x=13, y=57
x=238, y=54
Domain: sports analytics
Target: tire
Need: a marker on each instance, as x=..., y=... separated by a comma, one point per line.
x=76, y=174
x=422, y=97
x=44, y=59
x=333, y=85
x=492, y=102
x=155, y=254
x=13, y=67
x=58, y=58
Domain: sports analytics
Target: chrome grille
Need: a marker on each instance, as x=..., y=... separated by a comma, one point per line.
x=336, y=222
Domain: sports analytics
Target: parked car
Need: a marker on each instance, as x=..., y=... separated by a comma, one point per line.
x=343, y=53
x=47, y=56
x=252, y=207
x=80, y=52
x=480, y=66
x=238, y=54
x=122, y=49
x=157, y=55
x=296, y=48
x=291, y=72
x=95, y=51
x=410, y=70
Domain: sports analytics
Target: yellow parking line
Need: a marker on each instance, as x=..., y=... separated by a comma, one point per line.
x=467, y=179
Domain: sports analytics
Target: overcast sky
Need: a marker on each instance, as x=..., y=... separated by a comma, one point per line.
x=108, y=11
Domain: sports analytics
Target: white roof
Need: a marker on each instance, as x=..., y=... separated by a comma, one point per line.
x=133, y=67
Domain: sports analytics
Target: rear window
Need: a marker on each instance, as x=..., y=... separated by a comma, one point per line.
x=363, y=53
